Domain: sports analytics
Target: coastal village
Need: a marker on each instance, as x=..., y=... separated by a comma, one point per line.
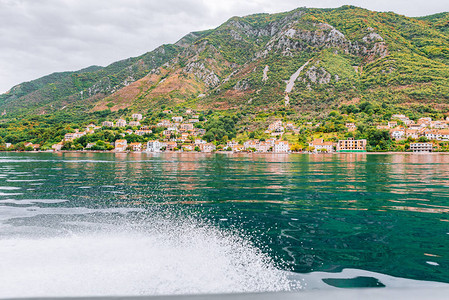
x=181, y=133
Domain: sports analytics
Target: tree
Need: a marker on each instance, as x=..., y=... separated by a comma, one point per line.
x=296, y=148
x=379, y=139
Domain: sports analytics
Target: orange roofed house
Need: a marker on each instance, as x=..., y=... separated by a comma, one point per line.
x=321, y=146
x=121, y=145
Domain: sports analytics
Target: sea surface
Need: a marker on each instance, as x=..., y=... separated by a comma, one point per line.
x=92, y=224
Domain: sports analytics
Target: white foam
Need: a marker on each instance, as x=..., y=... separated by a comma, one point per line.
x=9, y=188
x=315, y=280
x=10, y=194
x=32, y=201
x=174, y=259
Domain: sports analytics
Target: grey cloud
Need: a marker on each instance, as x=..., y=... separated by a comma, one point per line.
x=38, y=37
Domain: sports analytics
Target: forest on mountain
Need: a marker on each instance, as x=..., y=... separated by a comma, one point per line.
x=299, y=65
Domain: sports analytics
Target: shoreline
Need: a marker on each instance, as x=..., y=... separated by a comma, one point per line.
x=230, y=152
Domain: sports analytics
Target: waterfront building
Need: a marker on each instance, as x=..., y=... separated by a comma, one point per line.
x=154, y=146
x=421, y=147
x=34, y=146
x=251, y=144
x=232, y=143
x=121, y=145
x=209, y=147
x=189, y=147
x=57, y=147
x=271, y=141
x=351, y=145
x=237, y=148
x=90, y=145
x=170, y=146
x=137, y=147
x=281, y=147
x=265, y=147
x=321, y=145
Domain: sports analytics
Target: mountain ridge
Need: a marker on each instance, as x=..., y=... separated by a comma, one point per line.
x=244, y=64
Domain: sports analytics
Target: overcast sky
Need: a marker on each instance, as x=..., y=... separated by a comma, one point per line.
x=39, y=37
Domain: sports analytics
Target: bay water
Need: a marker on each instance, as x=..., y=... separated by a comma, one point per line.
x=94, y=224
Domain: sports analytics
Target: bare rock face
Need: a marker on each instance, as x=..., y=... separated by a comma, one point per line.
x=318, y=75
x=265, y=73
x=293, y=39
x=204, y=74
x=242, y=85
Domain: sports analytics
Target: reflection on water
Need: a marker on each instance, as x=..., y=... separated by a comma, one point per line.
x=381, y=213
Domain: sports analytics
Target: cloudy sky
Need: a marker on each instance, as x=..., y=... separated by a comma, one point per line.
x=38, y=37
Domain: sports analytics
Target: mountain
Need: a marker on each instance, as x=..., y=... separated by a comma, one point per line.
x=309, y=60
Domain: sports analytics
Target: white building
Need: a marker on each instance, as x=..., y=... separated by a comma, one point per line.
x=320, y=145
x=199, y=142
x=143, y=132
x=154, y=146
x=120, y=123
x=134, y=123
x=177, y=119
x=281, y=147
x=398, y=134
x=138, y=117
x=232, y=143
x=121, y=145
x=209, y=147
x=164, y=123
x=73, y=136
x=421, y=147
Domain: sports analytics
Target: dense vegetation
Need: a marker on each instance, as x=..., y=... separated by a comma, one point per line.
x=361, y=64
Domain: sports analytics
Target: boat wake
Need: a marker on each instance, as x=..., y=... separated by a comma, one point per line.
x=152, y=258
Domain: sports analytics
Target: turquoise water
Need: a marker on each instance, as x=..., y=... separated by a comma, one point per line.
x=194, y=223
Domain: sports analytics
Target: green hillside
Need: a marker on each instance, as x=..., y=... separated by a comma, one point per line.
x=331, y=57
